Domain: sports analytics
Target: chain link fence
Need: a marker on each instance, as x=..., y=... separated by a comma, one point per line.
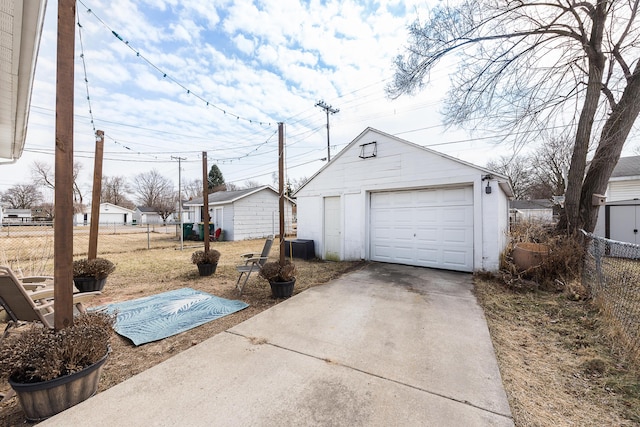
x=29, y=248
x=612, y=275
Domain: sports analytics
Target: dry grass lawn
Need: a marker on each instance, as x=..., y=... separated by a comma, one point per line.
x=148, y=272
x=557, y=362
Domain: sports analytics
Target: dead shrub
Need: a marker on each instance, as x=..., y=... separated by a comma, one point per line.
x=559, y=267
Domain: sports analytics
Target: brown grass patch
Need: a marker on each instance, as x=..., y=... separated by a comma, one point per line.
x=146, y=272
x=557, y=364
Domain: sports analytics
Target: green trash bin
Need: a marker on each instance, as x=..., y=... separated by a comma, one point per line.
x=201, y=230
x=187, y=230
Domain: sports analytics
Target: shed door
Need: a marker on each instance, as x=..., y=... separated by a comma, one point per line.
x=624, y=222
x=427, y=228
x=332, y=229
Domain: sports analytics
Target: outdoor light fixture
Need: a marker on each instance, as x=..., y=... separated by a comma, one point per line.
x=487, y=189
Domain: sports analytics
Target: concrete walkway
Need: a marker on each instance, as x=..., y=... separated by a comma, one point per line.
x=388, y=345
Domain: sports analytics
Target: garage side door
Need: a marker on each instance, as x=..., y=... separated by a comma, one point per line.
x=427, y=228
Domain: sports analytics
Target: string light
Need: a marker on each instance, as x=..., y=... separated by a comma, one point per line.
x=168, y=77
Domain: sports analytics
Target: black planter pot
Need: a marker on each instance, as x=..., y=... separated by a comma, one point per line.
x=282, y=289
x=47, y=398
x=89, y=284
x=207, y=269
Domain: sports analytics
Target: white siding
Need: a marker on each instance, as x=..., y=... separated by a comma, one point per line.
x=627, y=189
x=398, y=165
x=257, y=216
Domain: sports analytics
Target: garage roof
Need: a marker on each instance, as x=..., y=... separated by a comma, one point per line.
x=20, y=30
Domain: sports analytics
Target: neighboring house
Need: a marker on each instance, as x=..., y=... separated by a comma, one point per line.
x=540, y=210
x=147, y=215
x=187, y=214
x=244, y=214
x=109, y=214
x=16, y=216
x=386, y=199
x=619, y=218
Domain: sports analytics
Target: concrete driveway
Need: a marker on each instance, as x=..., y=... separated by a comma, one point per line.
x=388, y=345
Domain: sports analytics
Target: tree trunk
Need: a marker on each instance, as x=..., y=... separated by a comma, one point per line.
x=614, y=134
x=585, y=124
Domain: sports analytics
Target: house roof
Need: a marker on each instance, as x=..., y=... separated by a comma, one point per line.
x=224, y=197
x=531, y=204
x=502, y=179
x=627, y=166
x=146, y=209
x=21, y=30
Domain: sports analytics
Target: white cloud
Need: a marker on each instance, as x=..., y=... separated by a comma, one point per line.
x=267, y=60
x=244, y=44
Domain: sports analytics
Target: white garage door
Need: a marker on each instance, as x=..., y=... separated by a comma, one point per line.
x=427, y=228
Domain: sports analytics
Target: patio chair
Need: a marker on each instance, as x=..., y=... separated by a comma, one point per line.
x=215, y=237
x=253, y=263
x=28, y=302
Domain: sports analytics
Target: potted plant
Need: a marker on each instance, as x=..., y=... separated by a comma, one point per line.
x=281, y=278
x=91, y=274
x=207, y=261
x=51, y=370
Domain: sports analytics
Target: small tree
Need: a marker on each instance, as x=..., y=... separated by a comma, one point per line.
x=215, y=178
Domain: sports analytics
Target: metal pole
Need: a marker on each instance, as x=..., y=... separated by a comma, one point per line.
x=180, y=159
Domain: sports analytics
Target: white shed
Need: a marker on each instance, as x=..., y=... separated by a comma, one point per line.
x=109, y=214
x=244, y=214
x=386, y=199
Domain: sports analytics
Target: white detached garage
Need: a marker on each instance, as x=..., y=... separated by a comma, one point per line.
x=386, y=199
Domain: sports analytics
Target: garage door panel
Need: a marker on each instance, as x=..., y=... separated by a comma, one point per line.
x=456, y=195
x=426, y=197
x=430, y=256
x=430, y=228
x=455, y=259
x=455, y=237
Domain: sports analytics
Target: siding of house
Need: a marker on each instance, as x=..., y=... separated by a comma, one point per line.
x=627, y=189
x=257, y=216
x=397, y=166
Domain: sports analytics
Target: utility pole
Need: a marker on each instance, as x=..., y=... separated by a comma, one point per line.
x=180, y=159
x=328, y=109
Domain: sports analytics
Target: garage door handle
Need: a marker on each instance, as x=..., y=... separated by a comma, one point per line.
x=635, y=231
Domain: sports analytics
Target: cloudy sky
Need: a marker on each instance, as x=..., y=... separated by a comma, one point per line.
x=174, y=78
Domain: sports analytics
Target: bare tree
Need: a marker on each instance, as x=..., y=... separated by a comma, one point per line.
x=115, y=190
x=232, y=186
x=538, y=64
x=166, y=206
x=192, y=189
x=152, y=188
x=519, y=172
x=22, y=196
x=550, y=164
x=43, y=175
x=251, y=184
